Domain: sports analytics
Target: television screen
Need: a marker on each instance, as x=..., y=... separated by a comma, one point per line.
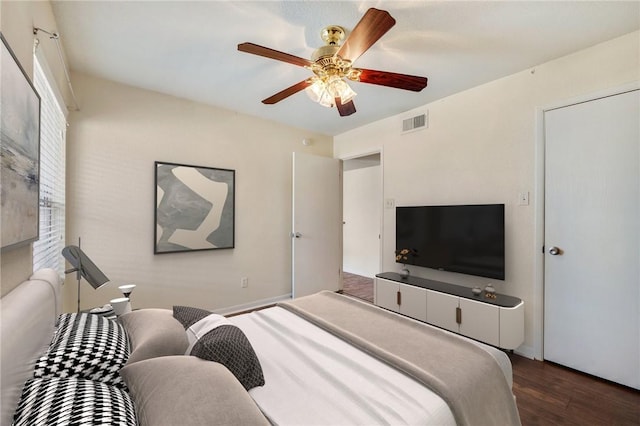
x=467, y=239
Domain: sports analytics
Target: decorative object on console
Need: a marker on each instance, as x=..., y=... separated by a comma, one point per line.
x=404, y=272
x=83, y=267
x=20, y=145
x=476, y=291
x=490, y=291
x=403, y=255
x=195, y=208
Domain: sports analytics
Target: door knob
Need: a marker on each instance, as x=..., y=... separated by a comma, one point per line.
x=296, y=235
x=555, y=251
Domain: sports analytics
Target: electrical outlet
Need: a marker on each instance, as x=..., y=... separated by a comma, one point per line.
x=244, y=282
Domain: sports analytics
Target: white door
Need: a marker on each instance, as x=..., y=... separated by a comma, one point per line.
x=317, y=225
x=592, y=237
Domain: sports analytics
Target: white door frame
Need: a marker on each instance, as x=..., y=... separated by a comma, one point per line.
x=353, y=156
x=538, y=291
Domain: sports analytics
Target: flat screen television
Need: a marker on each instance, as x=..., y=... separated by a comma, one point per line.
x=468, y=239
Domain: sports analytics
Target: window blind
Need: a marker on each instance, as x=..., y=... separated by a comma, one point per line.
x=47, y=250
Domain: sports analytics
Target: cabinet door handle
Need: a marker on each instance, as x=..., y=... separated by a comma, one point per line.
x=459, y=315
x=399, y=298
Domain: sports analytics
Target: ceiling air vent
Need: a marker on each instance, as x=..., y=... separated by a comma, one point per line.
x=419, y=122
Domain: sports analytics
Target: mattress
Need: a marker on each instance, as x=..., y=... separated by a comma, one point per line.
x=315, y=378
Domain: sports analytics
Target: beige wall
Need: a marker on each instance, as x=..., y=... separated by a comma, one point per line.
x=113, y=142
x=481, y=147
x=17, y=19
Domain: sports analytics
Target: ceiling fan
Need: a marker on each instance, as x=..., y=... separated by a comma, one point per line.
x=332, y=64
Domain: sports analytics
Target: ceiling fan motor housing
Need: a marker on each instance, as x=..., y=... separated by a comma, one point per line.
x=326, y=62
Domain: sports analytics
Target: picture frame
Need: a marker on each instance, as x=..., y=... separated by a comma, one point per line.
x=194, y=208
x=19, y=153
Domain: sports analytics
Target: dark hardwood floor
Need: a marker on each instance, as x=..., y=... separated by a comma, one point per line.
x=550, y=394
x=547, y=393
x=358, y=286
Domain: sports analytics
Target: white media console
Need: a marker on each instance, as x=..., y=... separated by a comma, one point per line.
x=497, y=321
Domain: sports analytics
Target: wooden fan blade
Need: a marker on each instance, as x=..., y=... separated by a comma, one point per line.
x=392, y=79
x=345, y=109
x=273, y=54
x=287, y=92
x=373, y=25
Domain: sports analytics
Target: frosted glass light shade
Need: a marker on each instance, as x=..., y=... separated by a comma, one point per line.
x=340, y=89
x=325, y=93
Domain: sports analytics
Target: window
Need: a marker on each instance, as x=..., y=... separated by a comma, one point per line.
x=47, y=250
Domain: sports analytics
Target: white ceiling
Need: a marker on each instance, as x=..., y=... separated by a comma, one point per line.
x=189, y=48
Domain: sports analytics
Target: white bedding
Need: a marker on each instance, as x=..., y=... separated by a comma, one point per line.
x=342, y=384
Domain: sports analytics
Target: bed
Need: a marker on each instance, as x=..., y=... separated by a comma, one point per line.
x=322, y=359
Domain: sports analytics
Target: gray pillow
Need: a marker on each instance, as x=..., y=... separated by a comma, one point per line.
x=187, y=316
x=228, y=345
x=185, y=390
x=153, y=333
x=225, y=344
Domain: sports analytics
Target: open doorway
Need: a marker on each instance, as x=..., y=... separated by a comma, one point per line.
x=362, y=212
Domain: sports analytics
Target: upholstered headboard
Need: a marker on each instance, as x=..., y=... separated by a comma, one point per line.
x=28, y=314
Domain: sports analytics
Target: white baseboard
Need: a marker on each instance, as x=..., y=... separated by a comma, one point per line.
x=252, y=305
x=526, y=351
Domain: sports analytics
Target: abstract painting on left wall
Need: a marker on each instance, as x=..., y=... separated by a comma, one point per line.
x=19, y=153
x=195, y=208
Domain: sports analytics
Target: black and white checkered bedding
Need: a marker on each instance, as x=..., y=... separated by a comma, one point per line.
x=71, y=402
x=86, y=346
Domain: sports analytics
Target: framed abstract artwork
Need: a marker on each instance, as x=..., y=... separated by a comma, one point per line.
x=194, y=208
x=19, y=153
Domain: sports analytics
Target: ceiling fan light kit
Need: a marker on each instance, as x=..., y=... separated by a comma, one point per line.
x=331, y=64
x=325, y=91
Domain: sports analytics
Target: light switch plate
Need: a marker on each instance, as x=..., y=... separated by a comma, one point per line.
x=523, y=198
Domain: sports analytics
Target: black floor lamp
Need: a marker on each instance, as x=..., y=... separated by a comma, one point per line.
x=83, y=267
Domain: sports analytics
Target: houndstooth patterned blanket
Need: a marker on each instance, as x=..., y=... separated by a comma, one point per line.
x=86, y=346
x=73, y=402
